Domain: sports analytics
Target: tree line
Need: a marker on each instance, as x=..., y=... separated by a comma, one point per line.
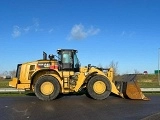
x=11, y=73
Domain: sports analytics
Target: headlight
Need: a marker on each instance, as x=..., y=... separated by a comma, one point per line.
x=86, y=73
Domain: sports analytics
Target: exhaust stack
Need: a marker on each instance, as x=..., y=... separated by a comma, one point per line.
x=44, y=55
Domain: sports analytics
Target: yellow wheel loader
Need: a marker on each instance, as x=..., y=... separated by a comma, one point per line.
x=49, y=76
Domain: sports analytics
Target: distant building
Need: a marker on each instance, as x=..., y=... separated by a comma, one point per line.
x=145, y=72
x=7, y=77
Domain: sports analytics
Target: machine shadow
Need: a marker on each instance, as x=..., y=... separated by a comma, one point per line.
x=80, y=93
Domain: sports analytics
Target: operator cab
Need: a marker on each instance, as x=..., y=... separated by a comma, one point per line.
x=68, y=60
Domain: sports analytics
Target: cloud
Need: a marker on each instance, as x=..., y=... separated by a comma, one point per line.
x=123, y=33
x=36, y=22
x=93, y=31
x=50, y=31
x=27, y=29
x=16, y=31
x=127, y=34
x=34, y=27
x=79, y=32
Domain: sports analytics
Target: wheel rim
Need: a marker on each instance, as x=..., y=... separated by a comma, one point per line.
x=99, y=87
x=47, y=88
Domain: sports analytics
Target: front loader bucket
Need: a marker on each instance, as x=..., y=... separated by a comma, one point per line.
x=129, y=87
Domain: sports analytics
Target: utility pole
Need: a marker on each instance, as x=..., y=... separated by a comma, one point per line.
x=158, y=65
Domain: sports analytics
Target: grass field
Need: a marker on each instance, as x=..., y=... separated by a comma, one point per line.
x=144, y=81
x=148, y=81
x=4, y=83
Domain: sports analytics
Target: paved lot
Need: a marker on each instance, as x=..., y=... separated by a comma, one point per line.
x=13, y=90
x=78, y=108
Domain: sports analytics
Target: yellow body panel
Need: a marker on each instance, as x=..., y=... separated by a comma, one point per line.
x=24, y=72
x=80, y=81
x=13, y=83
x=23, y=86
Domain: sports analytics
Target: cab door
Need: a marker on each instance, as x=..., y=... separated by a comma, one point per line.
x=67, y=61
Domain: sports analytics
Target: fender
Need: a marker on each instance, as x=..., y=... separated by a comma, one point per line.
x=38, y=73
x=89, y=76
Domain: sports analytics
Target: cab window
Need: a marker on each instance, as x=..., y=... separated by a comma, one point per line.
x=66, y=58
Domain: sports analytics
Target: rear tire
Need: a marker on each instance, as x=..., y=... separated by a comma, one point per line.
x=99, y=87
x=47, y=88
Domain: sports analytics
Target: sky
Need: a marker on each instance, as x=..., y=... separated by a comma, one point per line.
x=126, y=32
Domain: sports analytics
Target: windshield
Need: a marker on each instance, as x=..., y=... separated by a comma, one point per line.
x=76, y=61
x=66, y=57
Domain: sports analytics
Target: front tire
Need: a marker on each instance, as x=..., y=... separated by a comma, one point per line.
x=47, y=88
x=99, y=87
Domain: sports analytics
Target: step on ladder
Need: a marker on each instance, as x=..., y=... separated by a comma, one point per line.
x=66, y=83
